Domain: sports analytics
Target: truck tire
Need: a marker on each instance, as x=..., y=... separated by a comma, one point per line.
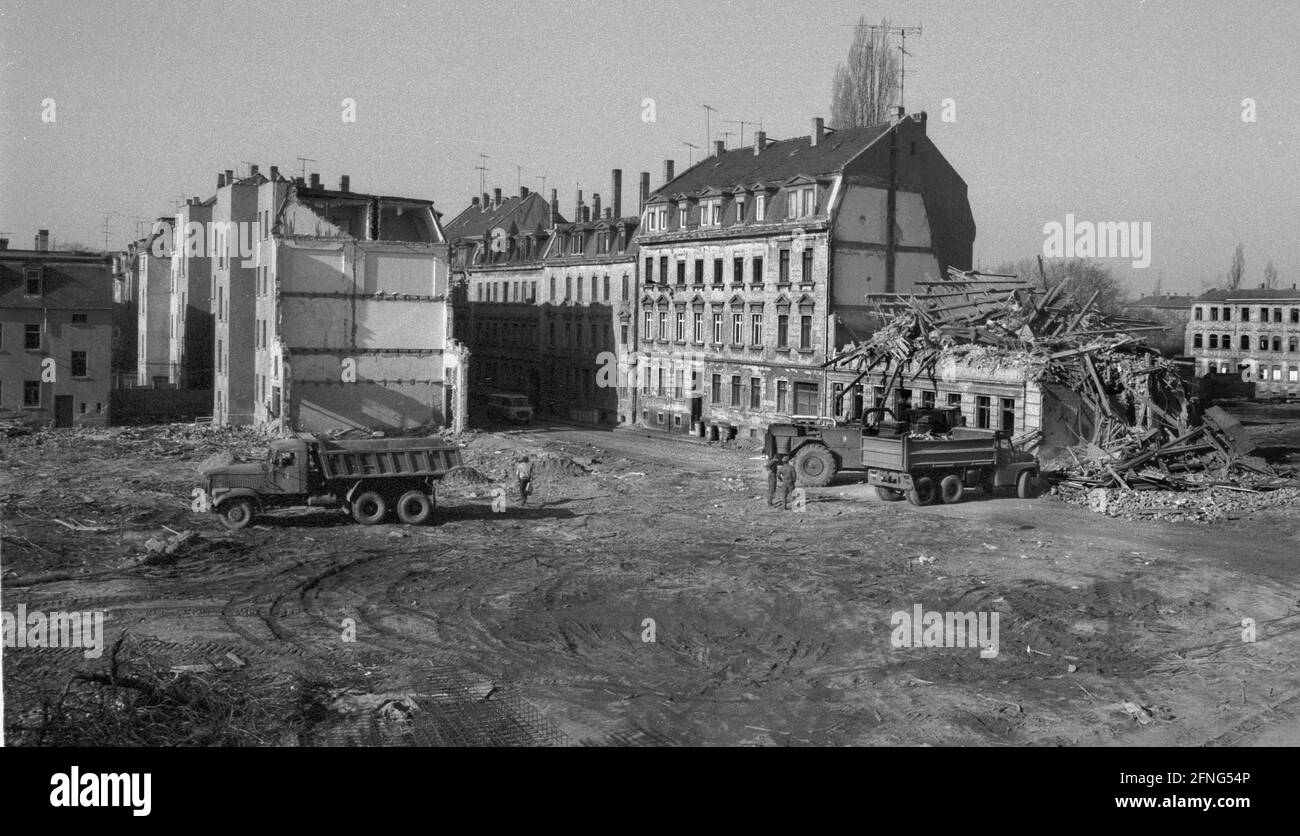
x=922, y=492
x=369, y=508
x=888, y=494
x=951, y=489
x=414, y=508
x=1027, y=485
x=815, y=466
x=237, y=513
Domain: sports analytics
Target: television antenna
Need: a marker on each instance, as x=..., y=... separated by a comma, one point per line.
x=902, y=32
x=742, y=125
x=709, y=110
x=690, y=155
x=482, y=170
x=304, y=161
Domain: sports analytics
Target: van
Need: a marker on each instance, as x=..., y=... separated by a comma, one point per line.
x=509, y=406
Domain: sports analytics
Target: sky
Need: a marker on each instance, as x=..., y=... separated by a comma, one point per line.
x=1108, y=111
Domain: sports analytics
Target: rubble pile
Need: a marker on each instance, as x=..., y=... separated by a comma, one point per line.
x=1139, y=428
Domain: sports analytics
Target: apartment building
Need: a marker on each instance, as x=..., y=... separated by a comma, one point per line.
x=152, y=280
x=1171, y=310
x=758, y=264
x=190, y=336
x=233, y=296
x=56, y=335
x=1251, y=332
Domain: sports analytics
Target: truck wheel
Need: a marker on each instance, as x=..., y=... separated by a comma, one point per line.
x=237, y=513
x=815, y=466
x=1026, y=485
x=951, y=489
x=922, y=492
x=888, y=494
x=414, y=508
x=369, y=508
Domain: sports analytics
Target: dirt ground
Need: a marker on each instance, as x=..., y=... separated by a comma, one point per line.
x=770, y=627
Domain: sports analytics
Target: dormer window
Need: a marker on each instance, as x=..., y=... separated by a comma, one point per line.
x=740, y=208
x=663, y=217
x=760, y=207
x=682, y=215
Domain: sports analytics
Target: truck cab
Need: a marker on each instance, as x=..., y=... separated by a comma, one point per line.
x=284, y=472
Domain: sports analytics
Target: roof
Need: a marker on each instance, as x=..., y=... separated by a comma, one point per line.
x=1259, y=294
x=1167, y=300
x=777, y=162
x=308, y=193
x=525, y=213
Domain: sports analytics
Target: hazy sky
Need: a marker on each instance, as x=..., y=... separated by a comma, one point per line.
x=1110, y=111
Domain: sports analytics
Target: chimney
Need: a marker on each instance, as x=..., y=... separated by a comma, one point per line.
x=252, y=170
x=300, y=183
x=616, y=191
x=487, y=201
x=523, y=192
x=818, y=130
x=645, y=190
x=345, y=183
x=896, y=114
x=230, y=177
x=595, y=205
x=586, y=214
x=42, y=240
x=550, y=209
x=668, y=171
x=4, y=243
x=760, y=140
x=473, y=202
x=609, y=213
x=719, y=145
x=496, y=197
x=315, y=180
x=221, y=180
x=577, y=208
x=275, y=172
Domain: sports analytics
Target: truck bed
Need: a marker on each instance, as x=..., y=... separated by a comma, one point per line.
x=905, y=453
x=379, y=457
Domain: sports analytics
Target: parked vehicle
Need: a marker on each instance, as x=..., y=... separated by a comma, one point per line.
x=509, y=406
x=928, y=456
x=366, y=477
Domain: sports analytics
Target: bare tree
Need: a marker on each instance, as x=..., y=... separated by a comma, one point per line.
x=1237, y=271
x=867, y=83
x=1270, y=276
x=1085, y=277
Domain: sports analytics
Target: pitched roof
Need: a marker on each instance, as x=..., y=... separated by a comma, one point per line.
x=1247, y=294
x=1163, y=301
x=525, y=213
x=778, y=161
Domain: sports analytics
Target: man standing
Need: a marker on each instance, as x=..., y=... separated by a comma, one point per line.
x=524, y=473
x=785, y=475
x=772, y=462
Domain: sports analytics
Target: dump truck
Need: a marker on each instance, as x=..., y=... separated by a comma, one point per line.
x=907, y=458
x=367, y=478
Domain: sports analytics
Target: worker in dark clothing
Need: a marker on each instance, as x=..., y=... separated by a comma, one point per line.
x=772, y=462
x=524, y=473
x=785, y=476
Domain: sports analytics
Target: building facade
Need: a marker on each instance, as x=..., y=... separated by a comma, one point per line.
x=56, y=335
x=190, y=336
x=233, y=300
x=1170, y=310
x=758, y=264
x=1252, y=333
x=153, y=283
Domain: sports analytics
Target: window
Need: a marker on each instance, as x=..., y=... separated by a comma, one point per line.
x=79, y=319
x=32, y=336
x=717, y=328
x=760, y=207
x=1214, y=313
x=33, y=280
x=649, y=272
x=579, y=284
x=1277, y=344
x=737, y=271
x=1197, y=340
x=678, y=387
x=954, y=400
x=699, y=271
x=782, y=330
x=927, y=399
x=681, y=272
x=792, y=204
x=78, y=364
x=1295, y=314
x=781, y=395
x=805, y=332
x=1263, y=343
x=647, y=331
x=1293, y=345
x=663, y=269
x=715, y=392
x=783, y=273
x=737, y=329
x=805, y=399
x=622, y=334
x=757, y=277
x=755, y=392
x=1008, y=421
x=568, y=287
x=626, y=287
x=31, y=393
x=809, y=202
x=735, y=390
x=660, y=389
x=681, y=326
x=807, y=275
x=1292, y=374
x=983, y=406
x=1214, y=341
x=715, y=211
x=740, y=208
x=1199, y=314
x=756, y=329
x=663, y=325
x=717, y=271
x=697, y=333
x=1245, y=342
x=1277, y=314
x=1227, y=314
x=532, y=292
x=1263, y=314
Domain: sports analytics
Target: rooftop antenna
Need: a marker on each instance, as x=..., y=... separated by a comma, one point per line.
x=709, y=110
x=725, y=136
x=690, y=155
x=482, y=170
x=107, y=221
x=902, y=32
x=742, y=125
x=542, y=177
x=304, y=161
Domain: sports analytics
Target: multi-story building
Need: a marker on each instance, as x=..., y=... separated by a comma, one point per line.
x=1253, y=333
x=1170, y=310
x=190, y=334
x=153, y=283
x=56, y=335
x=349, y=320
x=233, y=300
x=757, y=265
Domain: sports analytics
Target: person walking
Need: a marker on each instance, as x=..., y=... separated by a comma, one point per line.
x=524, y=473
x=772, y=462
x=785, y=475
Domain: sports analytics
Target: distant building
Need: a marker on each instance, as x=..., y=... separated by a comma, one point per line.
x=56, y=335
x=1170, y=310
x=154, y=322
x=759, y=263
x=190, y=328
x=233, y=299
x=1254, y=333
